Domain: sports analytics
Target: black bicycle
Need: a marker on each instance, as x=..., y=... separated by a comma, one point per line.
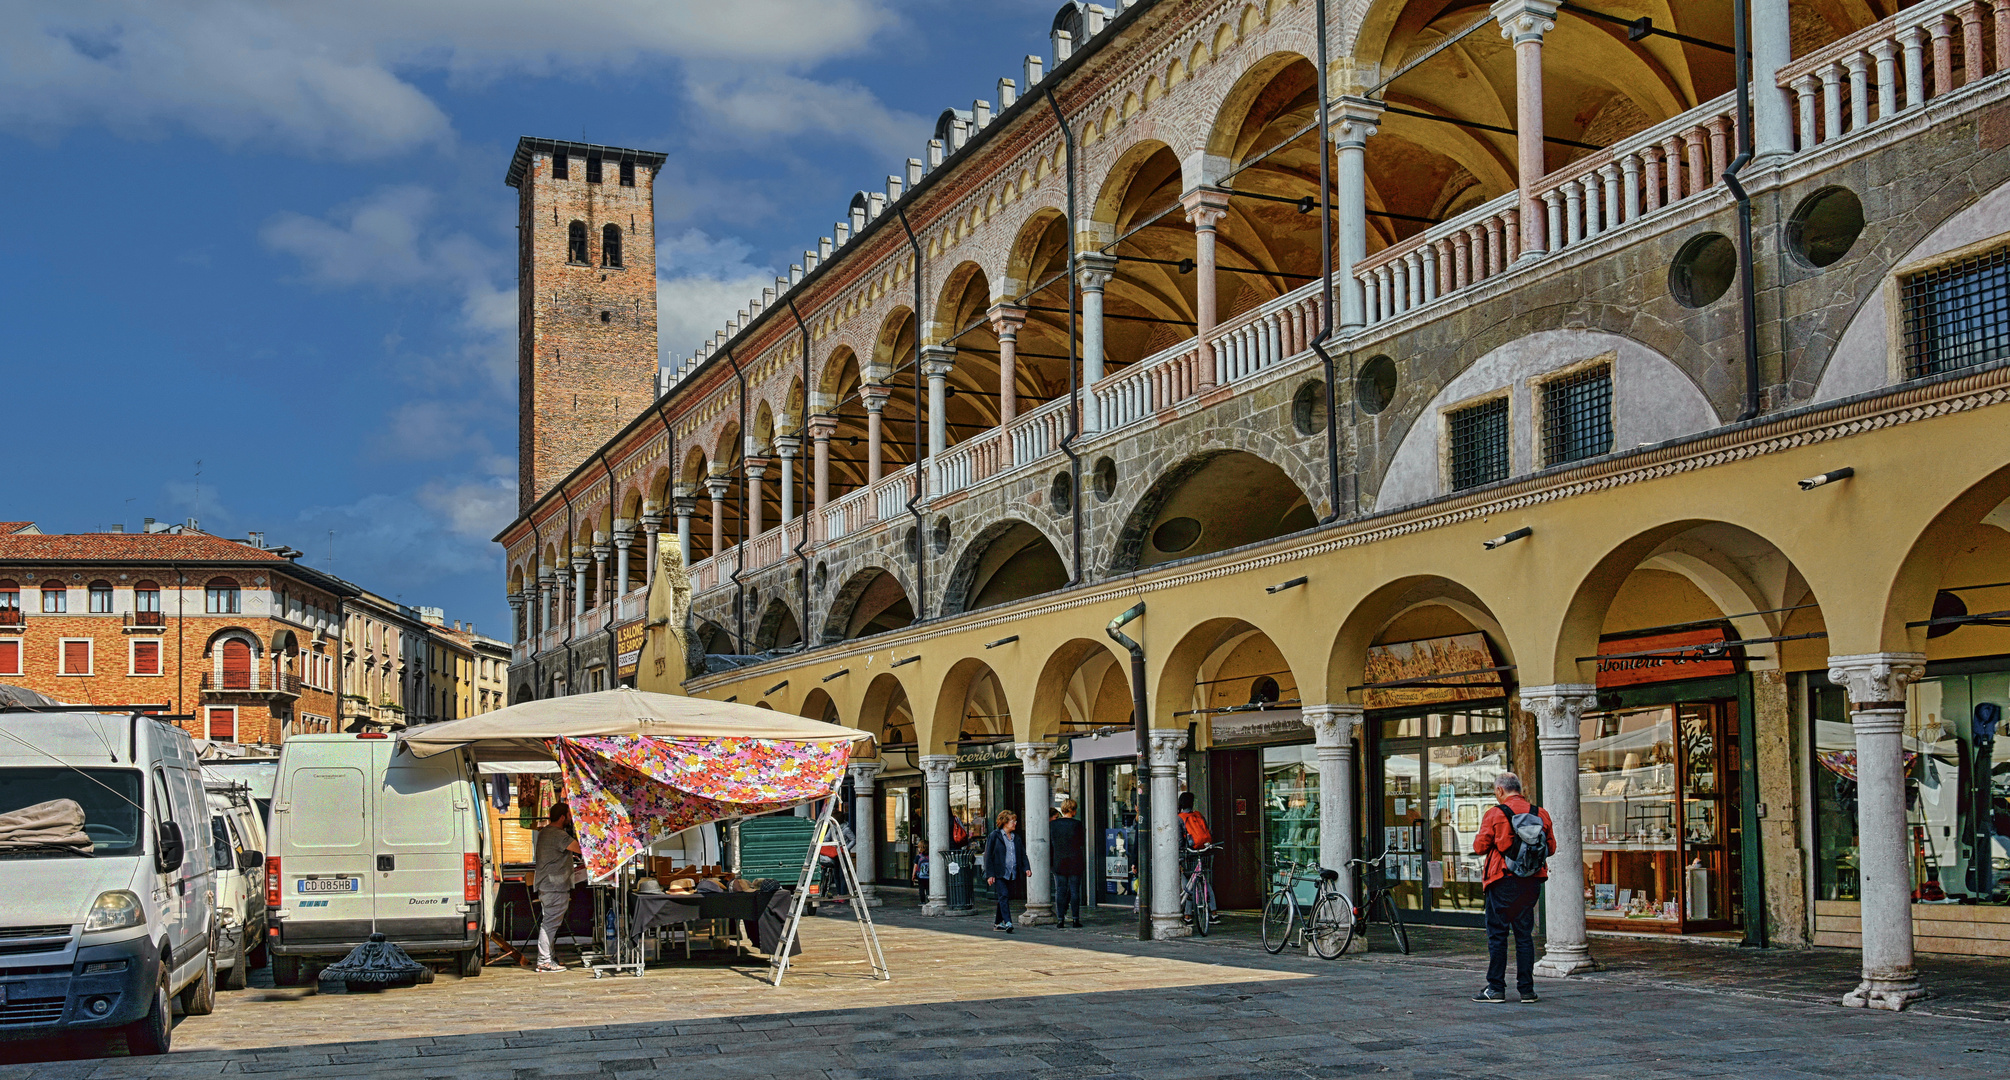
x=1376, y=905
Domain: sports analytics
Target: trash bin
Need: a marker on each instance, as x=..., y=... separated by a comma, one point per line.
x=962, y=868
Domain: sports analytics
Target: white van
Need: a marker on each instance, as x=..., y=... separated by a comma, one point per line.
x=104, y=936
x=365, y=837
x=237, y=833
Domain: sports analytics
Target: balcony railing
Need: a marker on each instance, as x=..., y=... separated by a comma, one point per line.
x=890, y=495
x=146, y=618
x=10, y=616
x=844, y=515
x=251, y=682
x=1894, y=66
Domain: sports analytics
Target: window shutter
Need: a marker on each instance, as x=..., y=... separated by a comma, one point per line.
x=10, y=657
x=146, y=658
x=236, y=664
x=76, y=658
x=223, y=724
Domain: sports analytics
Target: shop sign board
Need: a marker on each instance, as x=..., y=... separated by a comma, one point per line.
x=1258, y=726
x=1432, y=658
x=628, y=648
x=1664, y=666
x=990, y=754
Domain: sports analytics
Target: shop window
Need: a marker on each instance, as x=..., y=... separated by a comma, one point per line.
x=55, y=598
x=1577, y=415
x=146, y=657
x=575, y=243
x=75, y=656
x=1437, y=770
x=1958, y=315
x=561, y=165
x=1477, y=442
x=610, y=246
x=221, y=597
x=10, y=656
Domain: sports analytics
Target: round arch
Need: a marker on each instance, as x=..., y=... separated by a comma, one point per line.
x=971, y=701
x=1084, y=687
x=1211, y=501
x=1011, y=559
x=779, y=628
x=873, y=600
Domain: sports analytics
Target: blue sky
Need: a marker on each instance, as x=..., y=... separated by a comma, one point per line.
x=259, y=266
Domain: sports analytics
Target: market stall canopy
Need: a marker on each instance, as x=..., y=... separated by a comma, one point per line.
x=524, y=731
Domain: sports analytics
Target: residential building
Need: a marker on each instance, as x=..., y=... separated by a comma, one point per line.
x=1441, y=412
x=384, y=663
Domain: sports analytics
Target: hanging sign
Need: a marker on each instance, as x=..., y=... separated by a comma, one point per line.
x=1258, y=726
x=1432, y=659
x=628, y=648
x=1681, y=660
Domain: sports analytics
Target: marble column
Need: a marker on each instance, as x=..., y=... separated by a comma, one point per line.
x=865, y=839
x=684, y=506
x=786, y=448
x=1038, y=762
x=1163, y=752
x=1524, y=22
x=1772, y=104
x=601, y=551
x=1558, y=710
x=622, y=539
x=1205, y=209
x=1093, y=271
x=716, y=486
x=520, y=619
x=1333, y=731
x=1006, y=321
x=935, y=774
x=652, y=529
x=1876, y=683
x=937, y=361
x=757, y=491
x=821, y=430
x=1351, y=131
x=875, y=398
x=579, y=564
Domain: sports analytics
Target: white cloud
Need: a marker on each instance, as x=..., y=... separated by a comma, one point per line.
x=765, y=104
x=701, y=283
x=333, y=79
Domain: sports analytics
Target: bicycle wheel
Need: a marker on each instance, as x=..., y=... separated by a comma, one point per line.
x=1186, y=904
x=1330, y=928
x=1277, y=915
x=1396, y=923
x=1202, y=899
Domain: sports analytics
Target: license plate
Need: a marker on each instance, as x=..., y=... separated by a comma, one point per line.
x=328, y=885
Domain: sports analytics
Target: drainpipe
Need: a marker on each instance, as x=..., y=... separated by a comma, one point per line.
x=613, y=654
x=670, y=445
x=920, y=541
x=803, y=433
x=1318, y=343
x=571, y=661
x=1141, y=729
x=536, y=666
x=1747, y=288
x=1074, y=388
x=740, y=552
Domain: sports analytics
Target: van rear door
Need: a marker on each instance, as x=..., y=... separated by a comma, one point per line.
x=326, y=880
x=422, y=811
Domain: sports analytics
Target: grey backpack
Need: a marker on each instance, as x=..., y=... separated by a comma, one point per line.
x=1530, y=850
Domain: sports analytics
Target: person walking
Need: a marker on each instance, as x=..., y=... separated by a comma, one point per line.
x=1004, y=861
x=1517, y=840
x=554, y=852
x=1066, y=835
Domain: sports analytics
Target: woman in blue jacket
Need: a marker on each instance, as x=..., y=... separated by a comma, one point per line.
x=1004, y=862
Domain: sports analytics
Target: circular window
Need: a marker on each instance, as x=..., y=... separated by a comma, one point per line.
x=912, y=542
x=1308, y=408
x=1176, y=535
x=1106, y=479
x=939, y=540
x=823, y=577
x=1375, y=384
x=1062, y=493
x=1702, y=270
x=1825, y=226
x=1263, y=691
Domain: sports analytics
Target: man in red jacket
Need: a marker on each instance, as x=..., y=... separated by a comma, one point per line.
x=1510, y=898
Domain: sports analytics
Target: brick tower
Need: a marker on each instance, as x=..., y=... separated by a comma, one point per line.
x=586, y=301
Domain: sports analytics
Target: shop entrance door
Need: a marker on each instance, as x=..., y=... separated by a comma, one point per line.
x=1434, y=775
x=1235, y=815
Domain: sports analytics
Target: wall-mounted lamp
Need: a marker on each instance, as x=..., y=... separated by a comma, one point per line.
x=774, y=688
x=1281, y=586
x=1508, y=538
x=839, y=673
x=735, y=697
x=907, y=660
x=1829, y=477
x=1001, y=641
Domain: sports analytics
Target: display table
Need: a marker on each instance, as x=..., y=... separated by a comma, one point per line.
x=665, y=909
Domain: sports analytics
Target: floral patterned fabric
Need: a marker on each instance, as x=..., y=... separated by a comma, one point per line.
x=627, y=791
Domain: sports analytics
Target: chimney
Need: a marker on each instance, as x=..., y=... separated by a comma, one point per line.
x=809, y=262
x=192, y=527
x=119, y=528
x=842, y=232
x=878, y=202
x=861, y=214
x=1064, y=46
x=1095, y=17
x=934, y=154
x=1033, y=72
x=823, y=248
x=767, y=297
x=256, y=540
x=1008, y=93
x=980, y=114
x=795, y=275
x=894, y=184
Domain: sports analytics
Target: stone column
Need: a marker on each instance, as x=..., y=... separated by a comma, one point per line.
x=937, y=361
x=1333, y=730
x=1005, y=322
x=865, y=841
x=652, y=527
x=601, y=551
x=821, y=430
x=1093, y=271
x=935, y=773
x=1525, y=22
x=1772, y=104
x=875, y=398
x=684, y=506
x=1038, y=759
x=520, y=619
x=1558, y=709
x=716, y=486
x=547, y=599
x=1876, y=684
x=786, y=447
x=1163, y=755
x=1204, y=209
x=579, y=564
x=1351, y=131
x=757, y=470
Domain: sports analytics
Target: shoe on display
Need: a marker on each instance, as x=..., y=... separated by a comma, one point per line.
x=1491, y=996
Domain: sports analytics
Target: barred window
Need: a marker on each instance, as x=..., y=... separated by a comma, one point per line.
x=575, y=242
x=627, y=172
x=1958, y=315
x=610, y=250
x=560, y=166
x=593, y=168
x=1479, y=444
x=1577, y=416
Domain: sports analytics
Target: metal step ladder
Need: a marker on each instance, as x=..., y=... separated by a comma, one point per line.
x=778, y=964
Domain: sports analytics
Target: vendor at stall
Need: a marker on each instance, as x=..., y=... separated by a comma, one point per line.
x=554, y=852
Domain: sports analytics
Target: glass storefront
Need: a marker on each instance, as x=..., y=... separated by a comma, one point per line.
x=897, y=830
x=1291, y=810
x=1116, y=825
x=1435, y=775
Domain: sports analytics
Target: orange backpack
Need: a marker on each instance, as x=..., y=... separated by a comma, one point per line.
x=1197, y=834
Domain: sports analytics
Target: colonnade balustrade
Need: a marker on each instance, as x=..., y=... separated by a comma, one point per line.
x=1894, y=66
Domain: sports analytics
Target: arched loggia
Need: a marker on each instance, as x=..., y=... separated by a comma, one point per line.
x=1207, y=503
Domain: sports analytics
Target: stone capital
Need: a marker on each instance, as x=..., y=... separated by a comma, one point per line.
x=935, y=768
x=1205, y=207
x=1037, y=757
x=1525, y=20
x=875, y=398
x=938, y=360
x=1006, y=319
x=1093, y=270
x=624, y=537
x=652, y=521
x=716, y=487
x=1333, y=725
x=823, y=427
x=580, y=564
x=757, y=467
x=1356, y=121
x=788, y=446
x=1557, y=708
x=863, y=772
x=684, y=505
x=1877, y=678
x=1162, y=749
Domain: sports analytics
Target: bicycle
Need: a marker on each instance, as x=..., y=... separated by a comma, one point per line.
x=1378, y=902
x=1329, y=925
x=1196, y=896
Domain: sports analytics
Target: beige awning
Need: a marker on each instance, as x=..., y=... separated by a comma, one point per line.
x=520, y=732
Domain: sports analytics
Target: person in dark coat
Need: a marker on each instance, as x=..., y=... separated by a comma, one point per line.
x=1070, y=863
x=1004, y=863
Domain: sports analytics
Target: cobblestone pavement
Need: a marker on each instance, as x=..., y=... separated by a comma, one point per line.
x=968, y=1002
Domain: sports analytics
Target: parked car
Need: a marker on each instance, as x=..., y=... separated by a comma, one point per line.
x=365, y=837
x=237, y=831
x=107, y=875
